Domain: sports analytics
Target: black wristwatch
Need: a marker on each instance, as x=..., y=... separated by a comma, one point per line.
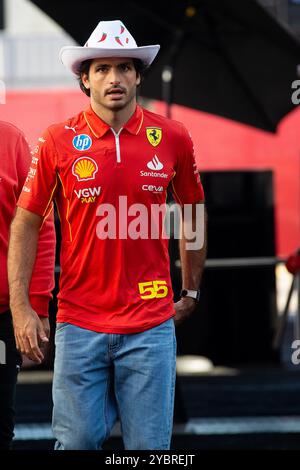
x=194, y=294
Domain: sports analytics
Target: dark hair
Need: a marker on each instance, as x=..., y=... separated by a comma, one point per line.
x=85, y=68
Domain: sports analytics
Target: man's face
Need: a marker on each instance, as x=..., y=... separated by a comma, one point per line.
x=112, y=82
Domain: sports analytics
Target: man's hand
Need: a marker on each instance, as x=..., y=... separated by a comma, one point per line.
x=31, y=333
x=184, y=308
x=46, y=326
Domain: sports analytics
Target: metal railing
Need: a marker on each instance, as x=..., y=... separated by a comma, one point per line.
x=260, y=262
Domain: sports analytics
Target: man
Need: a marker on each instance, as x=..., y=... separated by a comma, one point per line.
x=15, y=161
x=115, y=341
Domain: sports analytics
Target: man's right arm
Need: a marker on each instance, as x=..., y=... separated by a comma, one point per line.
x=29, y=331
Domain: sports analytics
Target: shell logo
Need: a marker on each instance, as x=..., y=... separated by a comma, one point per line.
x=84, y=168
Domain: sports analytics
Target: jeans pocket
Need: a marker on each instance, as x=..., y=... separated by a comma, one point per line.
x=61, y=325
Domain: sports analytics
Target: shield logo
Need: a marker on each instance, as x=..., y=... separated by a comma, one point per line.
x=154, y=135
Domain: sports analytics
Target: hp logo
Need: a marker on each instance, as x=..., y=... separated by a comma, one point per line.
x=82, y=142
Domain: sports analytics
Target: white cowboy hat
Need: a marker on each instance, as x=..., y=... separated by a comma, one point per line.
x=109, y=39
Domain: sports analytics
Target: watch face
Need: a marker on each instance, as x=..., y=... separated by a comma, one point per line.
x=195, y=294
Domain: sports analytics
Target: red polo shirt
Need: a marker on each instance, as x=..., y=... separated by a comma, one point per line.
x=15, y=160
x=105, y=182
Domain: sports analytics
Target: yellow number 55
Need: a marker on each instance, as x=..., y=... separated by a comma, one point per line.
x=153, y=289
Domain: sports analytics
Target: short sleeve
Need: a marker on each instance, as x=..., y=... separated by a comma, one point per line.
x=41, y=181
x=186, y=184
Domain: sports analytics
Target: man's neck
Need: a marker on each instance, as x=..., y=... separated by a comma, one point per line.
x=114, y=119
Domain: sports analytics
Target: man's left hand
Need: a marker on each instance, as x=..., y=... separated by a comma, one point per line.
x=46, y=325
x=184, y=308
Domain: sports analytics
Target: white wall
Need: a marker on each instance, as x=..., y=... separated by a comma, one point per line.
x=23, y=17
x=29, y=47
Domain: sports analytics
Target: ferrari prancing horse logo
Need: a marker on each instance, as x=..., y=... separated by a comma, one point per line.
x=154, y=135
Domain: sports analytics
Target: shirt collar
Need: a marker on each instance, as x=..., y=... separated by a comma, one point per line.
x=99, y=127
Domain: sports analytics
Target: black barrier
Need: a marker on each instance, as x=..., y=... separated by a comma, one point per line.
x=236, y=318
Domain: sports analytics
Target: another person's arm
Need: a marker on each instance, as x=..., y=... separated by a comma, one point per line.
x=31, y=261
x=29, y=330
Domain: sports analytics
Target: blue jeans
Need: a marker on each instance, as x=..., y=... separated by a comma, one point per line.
x=101, y=377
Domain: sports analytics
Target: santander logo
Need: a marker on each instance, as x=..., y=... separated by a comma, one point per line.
x=155, y=164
